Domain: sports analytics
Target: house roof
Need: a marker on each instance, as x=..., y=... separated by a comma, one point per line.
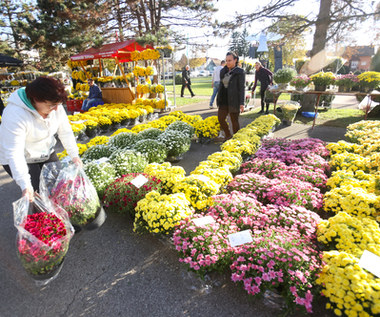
x=120, y=50
x=359, y=51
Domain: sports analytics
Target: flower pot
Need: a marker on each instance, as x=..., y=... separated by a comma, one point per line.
x=133, y=122
x=174, y=159
x=142, y=118
x=343, y=89
x=91, y=133
x=43, y=279
x=125, y=122
x=104, y=128
x=115, y=126
x=100, y=218
x=320, y=88
x=282, y=86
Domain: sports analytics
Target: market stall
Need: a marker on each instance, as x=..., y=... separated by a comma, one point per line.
x=120, y=52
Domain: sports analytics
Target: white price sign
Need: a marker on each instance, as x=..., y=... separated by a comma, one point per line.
x=102, y=160
x=203, y=221
x=139, y=181
x=203, y=178
x=239, y=238
x=78, y=122
x=370, y=262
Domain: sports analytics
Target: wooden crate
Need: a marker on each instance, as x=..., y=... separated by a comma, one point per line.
x=117, y=95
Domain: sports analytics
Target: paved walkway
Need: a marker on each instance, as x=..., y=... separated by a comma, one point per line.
x=113, y=272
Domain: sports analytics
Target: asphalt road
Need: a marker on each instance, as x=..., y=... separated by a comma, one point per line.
x=112, y=271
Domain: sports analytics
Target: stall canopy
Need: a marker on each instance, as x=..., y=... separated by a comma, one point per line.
x=6, y=61
x=120, y=50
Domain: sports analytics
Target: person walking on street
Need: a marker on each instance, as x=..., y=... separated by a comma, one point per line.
x=230, y=99
x=94, y=96
x=32, y=118
x=265, y=76
x=186, y=82
x=216, y=82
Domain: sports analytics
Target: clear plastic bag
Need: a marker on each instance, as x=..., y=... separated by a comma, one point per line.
x=289, y=110
x=367, y=104
x=44, y=232
x=74, y=192
x=49, y=175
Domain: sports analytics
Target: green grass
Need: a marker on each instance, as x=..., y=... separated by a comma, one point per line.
x=340, y=118
x=334, y=117
x=185, y=101
x=201, y=86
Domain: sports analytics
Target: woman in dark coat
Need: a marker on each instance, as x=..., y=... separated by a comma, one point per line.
x=230, y=99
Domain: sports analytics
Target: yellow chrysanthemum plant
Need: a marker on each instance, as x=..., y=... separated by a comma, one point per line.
x=220, y=175
x=350, y=234
x=207, y=129
x=353, y=200
x=197, y=190
x=369, y=81
x=158, y=213
x=361, y=131
x=232, y=160
x=168, y=174
x=354, y=197
x=81, y=147
x=351, y=290
x=148, y=54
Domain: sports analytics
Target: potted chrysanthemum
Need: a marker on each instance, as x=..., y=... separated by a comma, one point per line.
x=44, y=234
x=123, y=194
x=177, y=144
x=154, y=150
x=322, y=79
x=158, y=213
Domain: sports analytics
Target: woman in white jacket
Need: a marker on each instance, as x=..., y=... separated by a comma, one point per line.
x=31, y=119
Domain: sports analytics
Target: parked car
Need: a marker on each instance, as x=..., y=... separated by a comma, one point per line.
x=168, y=75
x=194, y=73
x=204, y=73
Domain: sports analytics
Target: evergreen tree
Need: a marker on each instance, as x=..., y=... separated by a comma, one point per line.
x=11, y=14
x=375, y=62
x=58, y=29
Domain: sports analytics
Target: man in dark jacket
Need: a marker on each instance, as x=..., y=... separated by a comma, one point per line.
x=94, y=96
x=186, y=82
x=266, y=78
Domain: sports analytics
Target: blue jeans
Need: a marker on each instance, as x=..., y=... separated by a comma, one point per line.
x=87, y=103
x=214, y=92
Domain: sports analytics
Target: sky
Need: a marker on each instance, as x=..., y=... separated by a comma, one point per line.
x=227, y=11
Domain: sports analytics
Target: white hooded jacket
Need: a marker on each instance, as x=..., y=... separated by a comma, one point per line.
x=26, y=137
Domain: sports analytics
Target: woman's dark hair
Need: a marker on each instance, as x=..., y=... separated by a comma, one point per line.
x=234, y=55
x=46, y=89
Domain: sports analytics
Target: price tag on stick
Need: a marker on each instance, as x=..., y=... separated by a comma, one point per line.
x=139, y=181
x=239, y=238
x=370, y=262
x=203, y=221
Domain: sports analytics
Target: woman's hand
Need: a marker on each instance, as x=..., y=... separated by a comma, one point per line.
x=77, y=161
x=29, y=193
x=241, y=108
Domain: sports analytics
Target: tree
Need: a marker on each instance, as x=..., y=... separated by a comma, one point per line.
x=375, y=62
x=197, y=61
x=154, y=21
x=239, y=43
x=181, y=63
x=11, y=13
x=60, y=28
x=293, y=45
x=334, y=17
